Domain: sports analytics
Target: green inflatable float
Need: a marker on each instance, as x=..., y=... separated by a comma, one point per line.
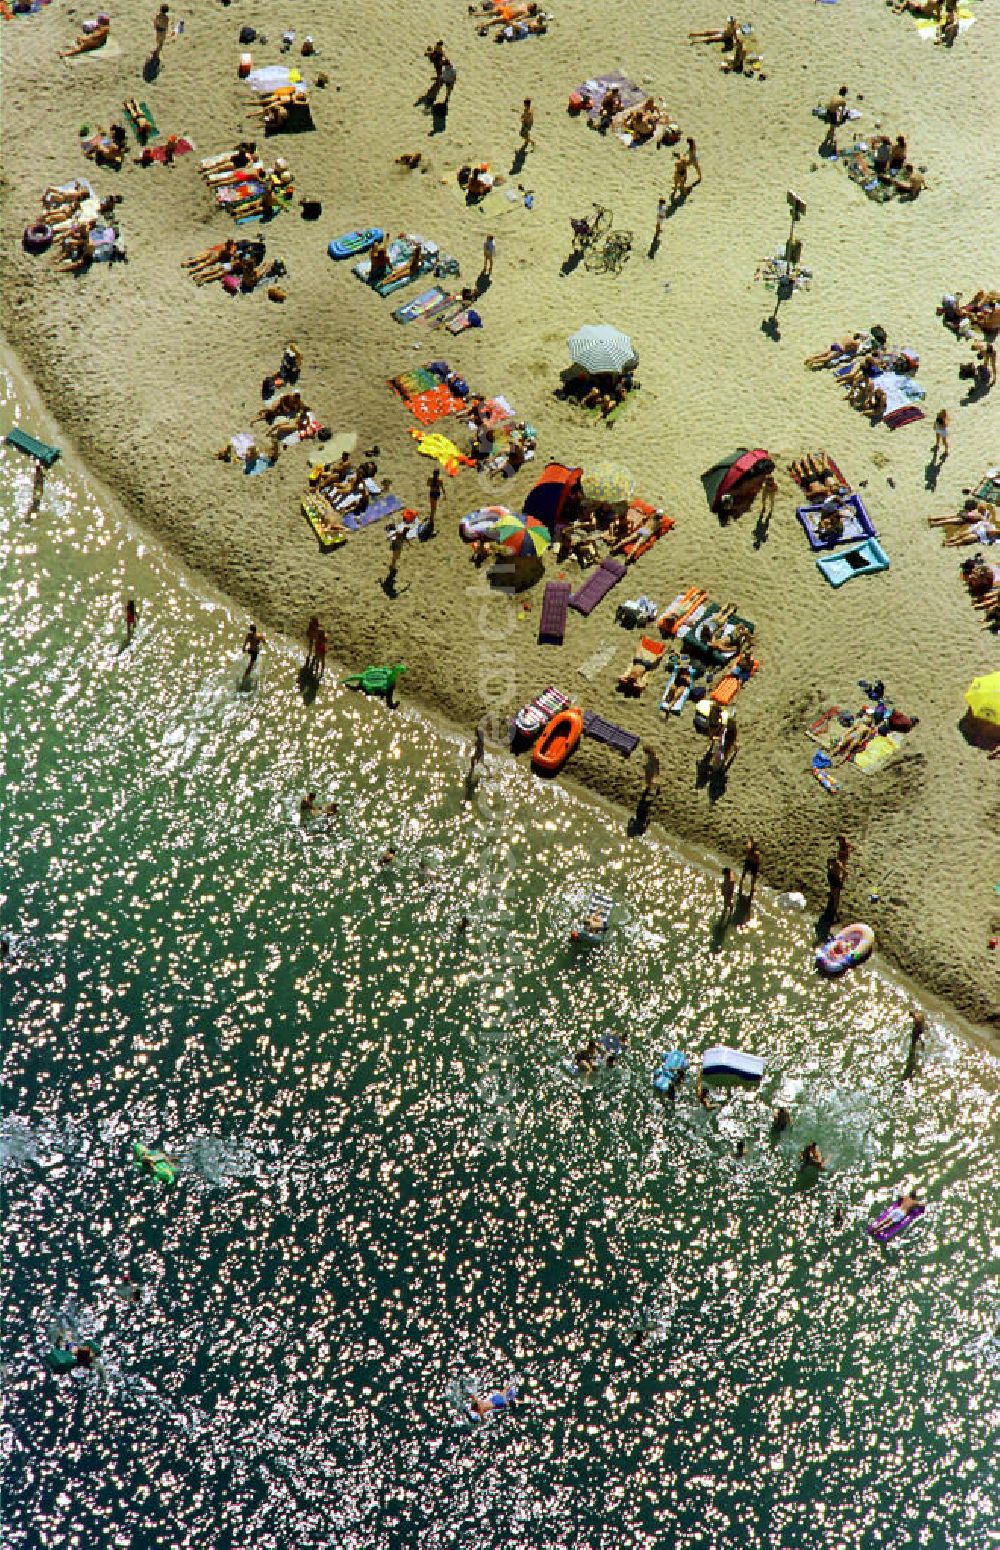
x=376, y=680
x=158, y=1164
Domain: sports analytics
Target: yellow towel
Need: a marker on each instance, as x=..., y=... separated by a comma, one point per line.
x=878, y=752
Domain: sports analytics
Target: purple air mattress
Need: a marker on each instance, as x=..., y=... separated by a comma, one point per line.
x=894, y=1221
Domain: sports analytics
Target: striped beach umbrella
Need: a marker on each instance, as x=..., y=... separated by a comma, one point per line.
x=599, y=348
x=610, y=482
x=524, y=536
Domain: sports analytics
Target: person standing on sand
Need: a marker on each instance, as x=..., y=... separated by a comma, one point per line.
x=435, y=490
x=661, y=214
x=751, y=866
x=942, y=431
x=449, y=75
x=768, y=491
x=679, y=190
x=489, y=254
x=836, y=874
x=692, y=160
x=728, y=889
x=161, y=26
x=251, y=648
x=652, y=771
x=527, y=125
x=437, y=56
x=478, y=751
x=130, y=620
x=396, y=542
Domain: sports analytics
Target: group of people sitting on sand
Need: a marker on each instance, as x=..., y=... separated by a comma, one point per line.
x=978, y=522
x=943, y=12
x=94, y=35
x=979, y=315
x=79, y=239
x=646, y=119
x=238, y=264
x=348, y=487
x=739, y=42
x=243, y=165
x=286, y=105
x=823, y=486
x=509, y=20
x=858, y=360
x=982, y=577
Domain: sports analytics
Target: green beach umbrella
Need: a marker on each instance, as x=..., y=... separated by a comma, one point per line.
x=524, y=536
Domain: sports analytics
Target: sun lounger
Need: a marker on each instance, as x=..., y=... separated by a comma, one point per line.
x=859, y=560
x=607, y=732
x=552, y=624
x=597, y=586
x=857, y=524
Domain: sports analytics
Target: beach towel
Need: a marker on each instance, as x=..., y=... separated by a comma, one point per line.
x=607, y=732
x=859, y=560
x=653, y=525
x=552, y=623
x=596, y=87
x=409, y=383
x=181, y=147
x=860, y=170
x=433, y=444
x=902, y=393
x=376, y=511
x=326, y=528
x=270, y=78
x=684, y=605
x=409, y=311
x=434, y=403
x=857, y=524
x=592, y=667
x=7, y=14
x=607, y=575
x=142, y=136
x=468, y=318
x=729, y=687
x=878, y=751
x=831, y=465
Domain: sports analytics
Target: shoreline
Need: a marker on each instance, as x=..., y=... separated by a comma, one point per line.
x=162, y=372
x=38, y=417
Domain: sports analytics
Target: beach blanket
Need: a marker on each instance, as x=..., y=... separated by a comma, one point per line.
x=434, y=404
x=420, y=305
x=552, y=623
x=596, y=87
x=142, y=135
x=376, y=511
x=607, y=575
x=902, y=393
x=270, y=78
x=607, y=732
x=831, y=465
x=927, y=29
x=7, y=13
x=879, y=751
x=181, y=147
x=409, y=383
x=433, y=444
x=467, y=318
x=860, y=170
x=593, y=666
x=857, y=524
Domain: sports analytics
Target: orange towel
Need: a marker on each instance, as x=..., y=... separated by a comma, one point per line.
x=729, y=687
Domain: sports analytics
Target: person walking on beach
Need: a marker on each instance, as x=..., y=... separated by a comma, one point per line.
x=435, y=490
x=478, y=750
x=751, y=866
x=768, y=491
x=435, y=52
x=252, y=643
x=130, y=620
x=662, y=212
x=918, y=1025
x=37, y=487
x=161, y=26
x=652, y=771
x=836, y=874
x=396, y=542
x=692, y=160
x=942, y=432
x=679, y=190
x=489, y=254
x=319, y=653
x=527, y=125
x=727, y=888
x=449, y=75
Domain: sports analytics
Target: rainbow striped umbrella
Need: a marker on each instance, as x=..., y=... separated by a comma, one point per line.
x=522, y=535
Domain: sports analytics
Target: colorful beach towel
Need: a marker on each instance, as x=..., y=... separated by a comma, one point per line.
x=376, y=511
x=433, y=444
x=7, y=13
x=420, y=305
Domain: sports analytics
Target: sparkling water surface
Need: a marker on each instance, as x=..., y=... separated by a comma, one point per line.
x=394, y=1189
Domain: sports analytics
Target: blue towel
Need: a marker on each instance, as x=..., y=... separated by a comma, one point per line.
x=376, y=510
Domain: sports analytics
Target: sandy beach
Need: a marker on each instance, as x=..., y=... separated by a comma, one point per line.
x=148, y=375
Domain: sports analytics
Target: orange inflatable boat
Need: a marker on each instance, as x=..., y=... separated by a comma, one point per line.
x=557, y=741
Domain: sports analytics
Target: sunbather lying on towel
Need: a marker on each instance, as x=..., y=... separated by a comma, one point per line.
x=837, y=351
x=716, y=633
x=90, y=40
x=725, y=35
x=680, y=688
x=64, y=198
